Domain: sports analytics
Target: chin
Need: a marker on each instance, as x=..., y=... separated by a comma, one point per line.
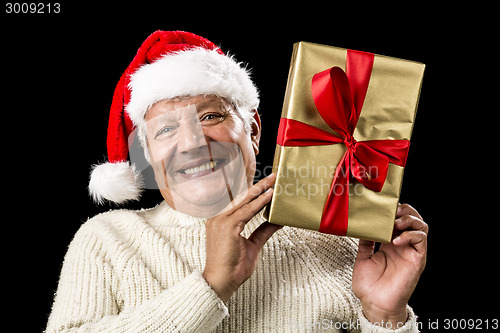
x=208, y=195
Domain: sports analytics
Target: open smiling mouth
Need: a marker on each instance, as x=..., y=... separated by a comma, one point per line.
x=203, y=168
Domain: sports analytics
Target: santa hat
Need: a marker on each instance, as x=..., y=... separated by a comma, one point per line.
x=168, y=64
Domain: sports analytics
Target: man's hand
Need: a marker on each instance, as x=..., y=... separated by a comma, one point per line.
x=384, y=281
x=231, y=258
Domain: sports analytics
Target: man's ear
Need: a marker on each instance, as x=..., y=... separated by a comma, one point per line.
x=255, y=132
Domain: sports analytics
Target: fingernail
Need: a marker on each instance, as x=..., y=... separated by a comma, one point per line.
x=398, y=221
x=396, y=240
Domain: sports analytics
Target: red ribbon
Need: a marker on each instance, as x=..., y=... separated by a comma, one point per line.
x=339, y=98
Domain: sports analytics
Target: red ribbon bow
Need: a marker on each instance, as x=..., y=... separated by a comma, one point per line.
x=339, y=98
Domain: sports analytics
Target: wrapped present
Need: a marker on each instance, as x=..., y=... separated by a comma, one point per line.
x=343, y=141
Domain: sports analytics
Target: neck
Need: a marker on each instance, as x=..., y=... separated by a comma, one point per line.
x=196, y=209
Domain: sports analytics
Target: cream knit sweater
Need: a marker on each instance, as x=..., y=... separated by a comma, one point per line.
x=140, y=271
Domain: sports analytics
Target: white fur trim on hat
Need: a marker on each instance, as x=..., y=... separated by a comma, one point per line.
x=117, y=182
x=191, y=72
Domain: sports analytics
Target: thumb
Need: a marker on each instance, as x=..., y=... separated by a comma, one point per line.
x=365, y=250
x=260, y=236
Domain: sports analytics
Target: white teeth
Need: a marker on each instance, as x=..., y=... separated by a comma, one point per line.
x=200, y=168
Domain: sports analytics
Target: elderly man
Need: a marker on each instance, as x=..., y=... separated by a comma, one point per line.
x=205, y=259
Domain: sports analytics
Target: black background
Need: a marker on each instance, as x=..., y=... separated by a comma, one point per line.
x=58, y=73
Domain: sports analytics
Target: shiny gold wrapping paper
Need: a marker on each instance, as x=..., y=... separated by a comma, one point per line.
x=305, y=174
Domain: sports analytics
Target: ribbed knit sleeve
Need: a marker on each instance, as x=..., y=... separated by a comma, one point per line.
x=88, y=299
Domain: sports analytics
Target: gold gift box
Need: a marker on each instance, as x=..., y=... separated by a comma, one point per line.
x=305, y=174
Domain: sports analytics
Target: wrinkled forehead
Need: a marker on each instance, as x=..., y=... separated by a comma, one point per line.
x=172, y=115
x=179, y=104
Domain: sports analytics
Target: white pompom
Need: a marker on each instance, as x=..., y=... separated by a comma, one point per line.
x=117, y=182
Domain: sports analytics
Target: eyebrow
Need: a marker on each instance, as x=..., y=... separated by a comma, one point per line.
x=205, y=104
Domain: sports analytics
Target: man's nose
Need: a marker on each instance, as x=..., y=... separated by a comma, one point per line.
x=190, y=136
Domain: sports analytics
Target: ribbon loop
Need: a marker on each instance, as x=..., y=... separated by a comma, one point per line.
x=330, y=90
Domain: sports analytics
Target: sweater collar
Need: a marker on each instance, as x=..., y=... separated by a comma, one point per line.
x=164, y=214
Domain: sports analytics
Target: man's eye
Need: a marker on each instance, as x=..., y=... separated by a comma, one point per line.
x=211, y=119
x=163, y=131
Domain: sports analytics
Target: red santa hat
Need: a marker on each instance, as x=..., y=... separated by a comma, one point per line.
x=168, y=64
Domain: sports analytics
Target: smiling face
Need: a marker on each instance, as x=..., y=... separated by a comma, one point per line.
x=201, y=153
